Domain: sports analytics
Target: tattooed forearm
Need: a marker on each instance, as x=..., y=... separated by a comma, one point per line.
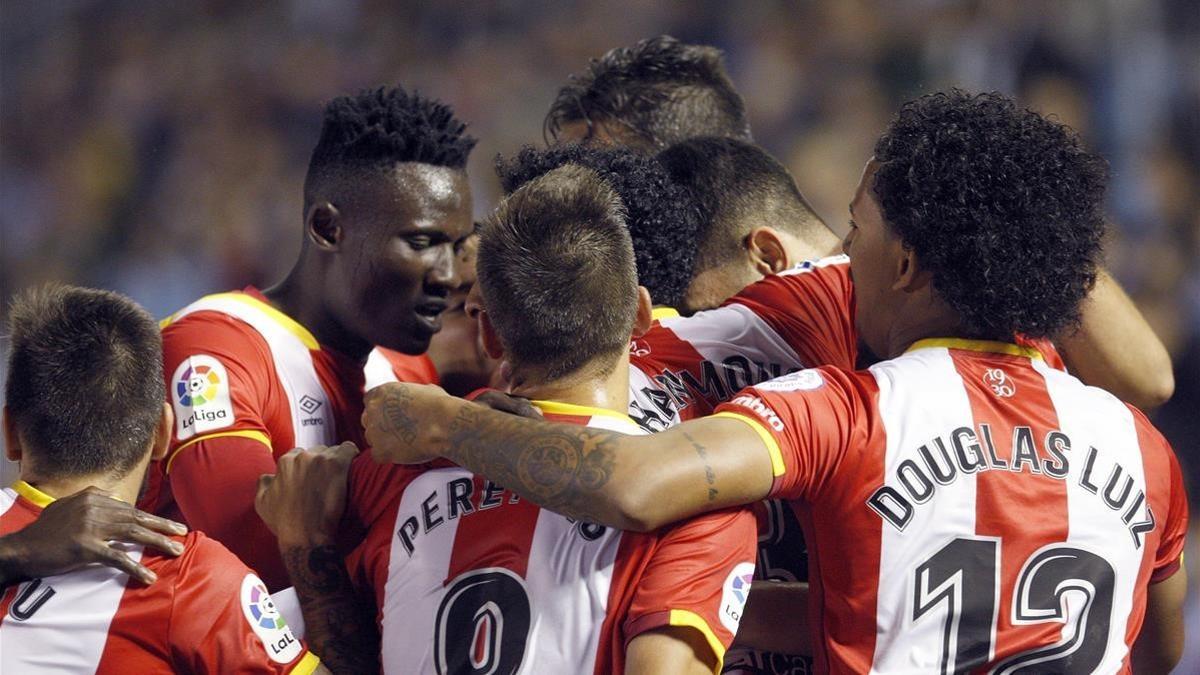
x=339, y=624
x=710, y=476
x=398, y=421
x=561, y=468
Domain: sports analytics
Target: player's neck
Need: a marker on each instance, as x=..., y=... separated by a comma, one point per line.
x=930, y=320
x=608, y=392
x=125, y=488
x=299, y=296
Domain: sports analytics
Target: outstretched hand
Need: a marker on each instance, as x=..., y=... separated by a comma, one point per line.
x=79, y=530
x=303, y=502
x=403, y=422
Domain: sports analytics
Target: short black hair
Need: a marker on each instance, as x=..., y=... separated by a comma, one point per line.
x=1002, y=205
x=662, y=216
x=737, y=186
x=660, y=90
x=378, y=128
x=556, y=272
x=85, y=380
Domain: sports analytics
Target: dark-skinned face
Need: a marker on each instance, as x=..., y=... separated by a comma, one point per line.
x=400, y=256
x=875, y=251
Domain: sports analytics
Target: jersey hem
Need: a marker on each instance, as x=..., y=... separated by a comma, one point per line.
x=678, y=618
x=778, y=468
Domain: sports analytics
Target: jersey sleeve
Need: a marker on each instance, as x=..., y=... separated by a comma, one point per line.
x=224, y=621
x=698, y=577
x=810, y=421
x=218, y=374
x=811, y=307
x=1169, y=556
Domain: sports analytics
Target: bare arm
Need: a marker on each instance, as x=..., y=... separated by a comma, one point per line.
x=776, y=619
x=303, y=505
x=1116, y=349
x=670, y=650
x=629, y=482
x=1160, y=644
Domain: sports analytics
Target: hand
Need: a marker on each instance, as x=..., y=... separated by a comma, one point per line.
x=303, y=502
x=77, y=530
x=513, y=405
x=403, y=420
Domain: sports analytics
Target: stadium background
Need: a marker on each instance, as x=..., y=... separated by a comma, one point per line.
x=158, y=148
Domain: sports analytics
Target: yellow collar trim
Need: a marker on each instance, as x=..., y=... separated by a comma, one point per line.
x=660, y=313
x=556, y=408
x=288, y=323
x=977, y=346
x=32, y=494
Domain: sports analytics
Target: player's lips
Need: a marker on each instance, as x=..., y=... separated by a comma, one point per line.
x=430, y=314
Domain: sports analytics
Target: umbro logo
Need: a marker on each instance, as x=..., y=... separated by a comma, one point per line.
x=309, y=404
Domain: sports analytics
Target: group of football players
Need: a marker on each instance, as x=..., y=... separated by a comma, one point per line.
x=697, y=432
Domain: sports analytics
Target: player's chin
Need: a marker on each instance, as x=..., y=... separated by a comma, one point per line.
x=412, y=336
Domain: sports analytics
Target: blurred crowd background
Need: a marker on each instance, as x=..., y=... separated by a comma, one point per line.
x=158, y=148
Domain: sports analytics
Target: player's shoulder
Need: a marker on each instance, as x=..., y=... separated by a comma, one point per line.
x=206, y=324
x=202, y=556
x=829, y=272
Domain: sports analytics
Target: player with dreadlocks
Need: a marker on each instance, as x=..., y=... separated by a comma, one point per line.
x=253, y=374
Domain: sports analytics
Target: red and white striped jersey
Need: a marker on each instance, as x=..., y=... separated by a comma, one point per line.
x=387, y=365
x=1017, y=515
x=470, y=578
x=239, y=371
x=207, y=613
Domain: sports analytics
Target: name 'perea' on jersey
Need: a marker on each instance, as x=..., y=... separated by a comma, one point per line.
x=456, y=498
x=945, y=458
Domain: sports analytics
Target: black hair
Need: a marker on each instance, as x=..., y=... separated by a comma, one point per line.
x=662, y=216
x=556, y=272
x=85, y=380
x=658, y=92
x=378, y=128
x=738, y=186
x=1002, y=205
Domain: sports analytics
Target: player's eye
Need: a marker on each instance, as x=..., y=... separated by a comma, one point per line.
x=853, y=225
x=419, y=242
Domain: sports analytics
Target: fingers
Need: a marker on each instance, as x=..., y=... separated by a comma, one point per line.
x=136, y=534
x=120, y=560
x=159, y=524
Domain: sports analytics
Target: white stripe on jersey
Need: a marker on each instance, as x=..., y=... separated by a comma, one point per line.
x=735, y=336
x=68, y=630
x=906, y=386
x=377, y=371
x=809, y=265
x=8, y=497
x=414, y=587
x=1093, y=418
x=568, y=578
x=307, y=399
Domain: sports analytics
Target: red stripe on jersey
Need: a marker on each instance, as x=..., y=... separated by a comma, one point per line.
x=475, y=543
x=1022, y=506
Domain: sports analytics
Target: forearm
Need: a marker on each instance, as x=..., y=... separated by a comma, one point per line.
x=1116, y=349
x=776, y=619
x=340, y=626
x=627, y=482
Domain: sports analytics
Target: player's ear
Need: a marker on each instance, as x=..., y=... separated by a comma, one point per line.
x=767, y=251
x=910, y=275
x=12, y=440
x=162, y=436
x=491, y=341
x=323, y=227
x=645, y=313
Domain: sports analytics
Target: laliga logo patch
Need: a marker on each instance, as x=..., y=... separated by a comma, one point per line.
x=734, y=593
x=267, y=623
x=803, y=380
x=997, y=380
x=200, y=394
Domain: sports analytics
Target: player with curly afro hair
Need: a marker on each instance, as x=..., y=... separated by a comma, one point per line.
x=1001, y=206
x=663, y=218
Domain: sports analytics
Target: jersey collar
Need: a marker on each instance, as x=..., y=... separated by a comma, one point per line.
x=557, y=408
x=660, y=313
x=977, y=346
x=32, y=494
